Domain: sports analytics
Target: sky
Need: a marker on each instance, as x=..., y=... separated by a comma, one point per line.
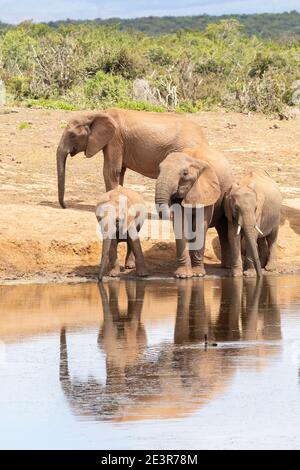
x=41, y=10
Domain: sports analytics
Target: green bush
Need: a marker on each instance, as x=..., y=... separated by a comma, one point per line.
x=160, y=56
x=76, y=66
x=105, y=89
x=18, y=87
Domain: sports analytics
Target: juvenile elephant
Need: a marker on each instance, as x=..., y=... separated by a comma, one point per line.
x=129, y=139
x=194, y=177
x=253, y=211
x=120, y=213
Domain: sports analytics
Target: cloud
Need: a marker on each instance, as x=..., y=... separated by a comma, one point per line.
x=19, y=10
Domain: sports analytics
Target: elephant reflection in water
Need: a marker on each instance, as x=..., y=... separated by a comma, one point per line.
x=249, y=310
x=122, y=339
x=246, y=310
x=175, y=378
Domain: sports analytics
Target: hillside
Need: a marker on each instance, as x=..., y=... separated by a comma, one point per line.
x=265, y=24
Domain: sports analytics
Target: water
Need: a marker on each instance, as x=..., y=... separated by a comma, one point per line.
x=126, y=366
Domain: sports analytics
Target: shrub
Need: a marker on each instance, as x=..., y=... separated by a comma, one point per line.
x=263, y=94
x=106, y=89
x=56, y=66
x=160, y=56
x=76, y=66
x=18, y=87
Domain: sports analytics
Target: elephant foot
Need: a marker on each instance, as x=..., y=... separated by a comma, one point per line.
x=250, y=272
x=183, y=272
x=114, y=272
x=226, y=263
x=198, y=271
x=271, y=267
x=141, y=272
x=236, y=272
x=130, y=264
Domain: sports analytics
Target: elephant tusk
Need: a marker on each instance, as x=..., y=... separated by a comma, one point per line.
x=258, y=229
x=239, y=229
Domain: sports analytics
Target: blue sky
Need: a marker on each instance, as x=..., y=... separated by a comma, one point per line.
x=14, y=11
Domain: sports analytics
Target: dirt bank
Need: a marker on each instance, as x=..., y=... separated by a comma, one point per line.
x=40, y=240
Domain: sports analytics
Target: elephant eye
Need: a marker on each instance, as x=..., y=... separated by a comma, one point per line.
x=185, y=173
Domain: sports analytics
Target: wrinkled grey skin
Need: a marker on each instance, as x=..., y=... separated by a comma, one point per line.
x=196, y=176
x=254, y=204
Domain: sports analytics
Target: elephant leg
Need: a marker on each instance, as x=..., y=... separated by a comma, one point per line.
x=130, y=259
x=234, y=241
x=272, y=242
x=226, y=254
x=112, y=168
x=136, y=248
x=197, y=260
x=184, y=266
x=114, y=270
x=122, y=176
x=197, y=256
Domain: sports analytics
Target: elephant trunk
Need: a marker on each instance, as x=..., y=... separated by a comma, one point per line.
x=104, y=258
x=61, y=157
x=164, y=189
x=251, y=240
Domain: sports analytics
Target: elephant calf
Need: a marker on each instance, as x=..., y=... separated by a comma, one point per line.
x=253, y=208
x=121, y=213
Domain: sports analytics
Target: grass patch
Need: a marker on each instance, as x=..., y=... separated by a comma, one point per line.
x=24, y=125
x=51, y=104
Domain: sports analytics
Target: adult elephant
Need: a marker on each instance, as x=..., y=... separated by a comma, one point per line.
x=129, y=139
x=195, y=177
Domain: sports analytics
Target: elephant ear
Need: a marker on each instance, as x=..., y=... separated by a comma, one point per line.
x=227, y=207
x=260, y=199
x=101, y=130
x=227, y=200
x=206, y=189
x=259, y=207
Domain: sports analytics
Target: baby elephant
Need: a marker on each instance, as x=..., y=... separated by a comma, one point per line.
x=253, y=208
x=121, y=213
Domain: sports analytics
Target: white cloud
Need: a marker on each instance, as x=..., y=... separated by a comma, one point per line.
x=19, y=10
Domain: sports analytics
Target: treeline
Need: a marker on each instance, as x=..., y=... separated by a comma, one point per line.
x=92, y=66
x=4, y=25
x=267, y=25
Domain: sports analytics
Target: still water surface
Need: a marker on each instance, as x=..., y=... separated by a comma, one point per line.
x=125, y=366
